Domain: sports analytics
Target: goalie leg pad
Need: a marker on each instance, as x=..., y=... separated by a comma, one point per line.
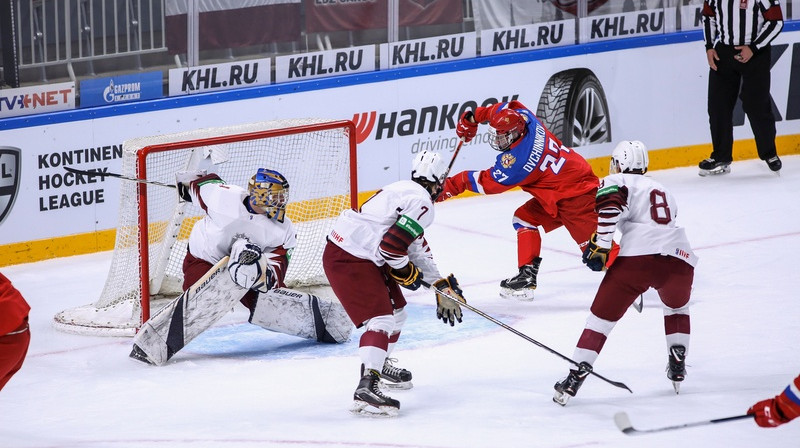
x=188, y=315
x=301, y=314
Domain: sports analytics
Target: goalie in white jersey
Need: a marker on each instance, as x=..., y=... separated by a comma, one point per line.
x=654, y=252
x=372, y=251
x=238, y=251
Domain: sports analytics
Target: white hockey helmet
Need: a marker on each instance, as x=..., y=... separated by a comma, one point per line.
x=630, y=156
x=429, y=170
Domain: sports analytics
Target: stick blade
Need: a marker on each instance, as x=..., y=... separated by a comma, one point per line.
x=624, y=423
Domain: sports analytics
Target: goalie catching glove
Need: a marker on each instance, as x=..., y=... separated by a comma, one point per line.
x=447, y=295
x=247, y=269
x=594, y=256
x=408, y=276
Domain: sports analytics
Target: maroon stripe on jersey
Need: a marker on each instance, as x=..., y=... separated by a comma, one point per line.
x=195, y=186
x=280, y=269
x=395, y=242
x=616, y=200
x=677, y=323
x=394, y=337
x=591, y=340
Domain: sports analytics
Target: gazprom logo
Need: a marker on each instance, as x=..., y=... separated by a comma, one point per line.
x=9, y=179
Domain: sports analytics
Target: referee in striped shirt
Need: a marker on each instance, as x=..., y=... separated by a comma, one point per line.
x=737, y=36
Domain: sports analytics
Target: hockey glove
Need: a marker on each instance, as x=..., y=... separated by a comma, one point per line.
x=244, y=266
x=447, y=309
x=774, y=411
x=408, y=276
x=594, y=256
x=467, y=127
x=453, y=186
x=184, y=180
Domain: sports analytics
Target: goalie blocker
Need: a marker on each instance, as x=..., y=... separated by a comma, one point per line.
x=212, y=296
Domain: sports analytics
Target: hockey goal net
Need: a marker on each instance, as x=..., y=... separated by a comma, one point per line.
x=317, y=157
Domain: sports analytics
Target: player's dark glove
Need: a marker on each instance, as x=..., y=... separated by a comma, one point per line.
x=183, y=182
x=447, y=309
x=467, y=127
x=408, y=276
x=594, y=256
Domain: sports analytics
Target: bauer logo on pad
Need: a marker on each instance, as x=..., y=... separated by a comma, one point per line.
x=9, y=179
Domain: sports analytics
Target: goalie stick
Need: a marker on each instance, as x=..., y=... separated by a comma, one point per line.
x=524, y=336
x=120, y=176
x=624, y=424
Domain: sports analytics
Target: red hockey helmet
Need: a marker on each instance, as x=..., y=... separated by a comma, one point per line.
x=505, y=128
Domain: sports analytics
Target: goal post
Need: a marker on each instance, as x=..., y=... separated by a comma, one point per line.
x=317, y=157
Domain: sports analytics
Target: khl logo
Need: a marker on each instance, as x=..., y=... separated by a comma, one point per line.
x=9, y=179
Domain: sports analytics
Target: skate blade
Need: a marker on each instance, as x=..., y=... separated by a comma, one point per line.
x=677, y=386
x=715, y=171
x=561, y=398
x=388, y=385
x=364, y=409
x=523, y=295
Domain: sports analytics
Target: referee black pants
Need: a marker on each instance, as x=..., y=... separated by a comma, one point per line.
x=724, y=86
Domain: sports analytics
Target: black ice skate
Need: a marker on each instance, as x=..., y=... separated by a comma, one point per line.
x=676, y=369
x=395, y=377
x=710, y=166
x=368, y=399
x=569, y=386
x=775, y=164
x=521, y=286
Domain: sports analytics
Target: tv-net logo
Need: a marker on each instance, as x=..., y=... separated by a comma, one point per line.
x=38, y=99
x=408, y=122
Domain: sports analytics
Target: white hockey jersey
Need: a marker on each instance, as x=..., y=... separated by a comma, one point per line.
x=361, y=233
x=227, y=218
x=644, y=212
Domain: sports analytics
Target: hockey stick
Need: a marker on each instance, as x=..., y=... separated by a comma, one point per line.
x=624, y=424
x=524, y=336
x=453, y=159
x=120, y=176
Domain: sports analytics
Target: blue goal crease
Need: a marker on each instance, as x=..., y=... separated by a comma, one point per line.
x=247, y=341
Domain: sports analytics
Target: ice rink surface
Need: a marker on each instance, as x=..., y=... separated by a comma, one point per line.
x=475, y=385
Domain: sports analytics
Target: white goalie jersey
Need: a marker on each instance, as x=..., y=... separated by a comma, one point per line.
x=361, y=233
x=227, y=217
x=644, y=212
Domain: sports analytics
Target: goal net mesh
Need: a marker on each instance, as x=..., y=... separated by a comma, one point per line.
x=316, y=157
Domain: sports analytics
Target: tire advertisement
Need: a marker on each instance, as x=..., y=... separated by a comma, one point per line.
x=656, y=94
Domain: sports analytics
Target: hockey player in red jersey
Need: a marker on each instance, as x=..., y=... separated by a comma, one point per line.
x=531, y=157
x=15, y=336
x=779, y=409
x=369, y=253
x=653, y=253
